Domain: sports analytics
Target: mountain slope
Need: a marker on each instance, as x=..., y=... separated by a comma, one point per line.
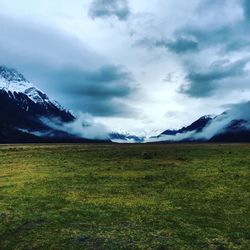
x=23, y=109
x=22, y=105
x=232, y=125
x=237, y=130
x=196, y=126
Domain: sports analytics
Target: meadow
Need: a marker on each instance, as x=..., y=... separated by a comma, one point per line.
x=108, y=196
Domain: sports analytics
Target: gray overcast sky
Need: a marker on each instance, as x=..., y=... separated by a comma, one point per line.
x=136, y=65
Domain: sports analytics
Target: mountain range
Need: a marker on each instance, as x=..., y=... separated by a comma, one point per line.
x=232, y=125
x=27, y=114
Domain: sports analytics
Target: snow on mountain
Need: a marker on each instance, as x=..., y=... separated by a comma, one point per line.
x=13, y=82
x=23, y=106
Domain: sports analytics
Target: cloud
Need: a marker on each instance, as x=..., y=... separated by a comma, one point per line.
x=109, y=8
x=39, y=45
x=227, y=38
x=246, y=8
x=212, y=48
x=105, y=108
x=98, y=91
x=105, y=82
x=180, y=45
x=205, y=83
x=65, y=68
x=83, y=126
x=172, y=138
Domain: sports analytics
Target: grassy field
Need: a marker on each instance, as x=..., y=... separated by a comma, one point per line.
x=125, y=197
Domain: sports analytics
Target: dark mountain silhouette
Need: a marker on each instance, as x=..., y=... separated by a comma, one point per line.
x=196, y=126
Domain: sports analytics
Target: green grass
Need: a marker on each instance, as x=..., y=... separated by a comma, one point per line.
x=109, y=197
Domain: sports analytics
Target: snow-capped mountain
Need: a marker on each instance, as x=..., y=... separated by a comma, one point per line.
x=27, y=97
x=23, y=107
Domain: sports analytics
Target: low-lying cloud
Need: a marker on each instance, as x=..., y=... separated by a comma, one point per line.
x=219, y=124
x=84, y=126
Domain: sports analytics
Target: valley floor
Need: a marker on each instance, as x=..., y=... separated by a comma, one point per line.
x=107, y=196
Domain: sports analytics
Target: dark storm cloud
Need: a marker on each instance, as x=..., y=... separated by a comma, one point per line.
x=180, y=45
x=103, y=107
x=228, y=38
x=64, y=68
x=206, y=37
x=205, y=83
x=105, y=82
x=193, y=39
x=109, y=8
x=39, y=50
x=97, y=91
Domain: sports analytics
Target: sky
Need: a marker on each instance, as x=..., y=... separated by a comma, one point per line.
x=138, y=66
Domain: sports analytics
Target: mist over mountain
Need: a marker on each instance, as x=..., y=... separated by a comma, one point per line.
x=232, y=125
